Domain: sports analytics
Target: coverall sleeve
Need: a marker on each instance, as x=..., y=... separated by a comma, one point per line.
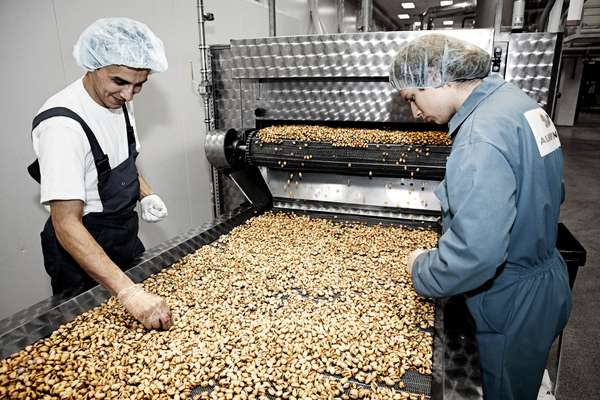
x=481, y=188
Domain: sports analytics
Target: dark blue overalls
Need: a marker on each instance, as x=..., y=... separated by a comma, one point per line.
x=115, y=228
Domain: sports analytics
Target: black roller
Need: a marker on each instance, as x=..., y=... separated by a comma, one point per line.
x=411, y=161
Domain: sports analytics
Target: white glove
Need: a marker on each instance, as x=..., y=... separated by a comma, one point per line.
x=411, y=259
x=153, y=208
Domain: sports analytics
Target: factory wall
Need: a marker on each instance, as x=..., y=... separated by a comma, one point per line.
x=36, y=41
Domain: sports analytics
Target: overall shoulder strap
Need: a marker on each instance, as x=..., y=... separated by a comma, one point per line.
x=130, y=135
x=100, y=159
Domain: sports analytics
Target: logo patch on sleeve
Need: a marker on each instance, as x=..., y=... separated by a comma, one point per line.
x=544, y=131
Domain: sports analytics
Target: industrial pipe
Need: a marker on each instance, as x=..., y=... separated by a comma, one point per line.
x=204, y=90
x=340, y=16
x=367, y=15
x=272, y=18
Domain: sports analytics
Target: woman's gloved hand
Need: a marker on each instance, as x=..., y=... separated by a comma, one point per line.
x=153, y=208
x=151, y=310
x=411, y=259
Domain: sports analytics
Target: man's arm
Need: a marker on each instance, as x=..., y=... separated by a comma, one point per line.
x=75, y=238
x=149, y=309
x=145, y=189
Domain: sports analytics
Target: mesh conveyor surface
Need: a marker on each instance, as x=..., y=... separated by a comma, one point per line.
x=413, y=382
x=410, y=161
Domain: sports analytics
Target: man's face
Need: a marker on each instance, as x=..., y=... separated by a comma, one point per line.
x=114, y=85
x=431, y=105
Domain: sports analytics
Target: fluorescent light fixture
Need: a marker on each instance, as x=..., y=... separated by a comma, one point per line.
x=403, y=16
x=445, y=3
x=448, y=23
x=408, y=5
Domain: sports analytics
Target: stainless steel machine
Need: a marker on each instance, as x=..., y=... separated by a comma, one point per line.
x=343, y=80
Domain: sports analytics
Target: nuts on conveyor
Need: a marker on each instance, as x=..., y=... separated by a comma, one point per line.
x=284, y=305
x=350, y=137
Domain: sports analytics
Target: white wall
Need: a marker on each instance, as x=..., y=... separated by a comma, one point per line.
x=36, y=37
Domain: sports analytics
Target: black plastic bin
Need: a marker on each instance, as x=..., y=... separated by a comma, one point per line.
x=572, y=252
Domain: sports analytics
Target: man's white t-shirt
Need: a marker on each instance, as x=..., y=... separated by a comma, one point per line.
x=66, y=161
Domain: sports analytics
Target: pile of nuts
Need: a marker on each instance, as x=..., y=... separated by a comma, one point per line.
x=285, y=306
x=351, y=137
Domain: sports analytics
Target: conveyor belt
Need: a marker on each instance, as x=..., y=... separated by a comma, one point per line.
x=455, y=369
x=406, y=161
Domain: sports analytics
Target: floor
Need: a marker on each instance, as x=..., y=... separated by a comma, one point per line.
x=579, y=370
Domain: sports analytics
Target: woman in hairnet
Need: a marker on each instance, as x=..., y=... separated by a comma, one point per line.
x=500, y=205
x=86, y=143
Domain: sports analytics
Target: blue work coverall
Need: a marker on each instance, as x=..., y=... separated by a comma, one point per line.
x=500, y=205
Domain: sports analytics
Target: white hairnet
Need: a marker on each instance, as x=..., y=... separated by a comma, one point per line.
x=431, y=61
x=119, y=41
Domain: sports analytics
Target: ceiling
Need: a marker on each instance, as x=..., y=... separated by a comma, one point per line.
x=391, y=8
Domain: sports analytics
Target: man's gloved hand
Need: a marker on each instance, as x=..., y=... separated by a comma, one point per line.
x=410, y=260
x=151, y=310
x=153, y=208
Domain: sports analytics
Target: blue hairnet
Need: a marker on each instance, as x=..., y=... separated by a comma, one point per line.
x=119, y=41
x=434, y=60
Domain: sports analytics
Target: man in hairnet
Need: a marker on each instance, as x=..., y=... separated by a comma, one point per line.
x=86, y=143
x=500, y=204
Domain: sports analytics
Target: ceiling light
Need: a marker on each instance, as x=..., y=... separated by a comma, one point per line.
x=403, y=16
x=444, y=3
x=408, y=5
x=448, y=23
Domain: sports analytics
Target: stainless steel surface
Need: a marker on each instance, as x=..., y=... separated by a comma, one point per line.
x=231, y=196
x=361, y=190
x=337, y=55
x=227, y=99
x=347, y=210
x=226, y=90
x=367, y=15
x=214, y=148
x=216, y=191
x=250, y=92
x=335, y=100
x=530, y=64
x=357, y=65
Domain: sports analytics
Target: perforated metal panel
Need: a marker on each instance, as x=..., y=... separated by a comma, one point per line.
x=342, y=55
x=335, y=100
x=226, y=90
x=531, y=65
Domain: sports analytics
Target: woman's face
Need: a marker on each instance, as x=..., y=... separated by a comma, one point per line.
x=431, y=105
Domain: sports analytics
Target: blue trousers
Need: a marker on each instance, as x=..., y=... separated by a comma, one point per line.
x=517, y=319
